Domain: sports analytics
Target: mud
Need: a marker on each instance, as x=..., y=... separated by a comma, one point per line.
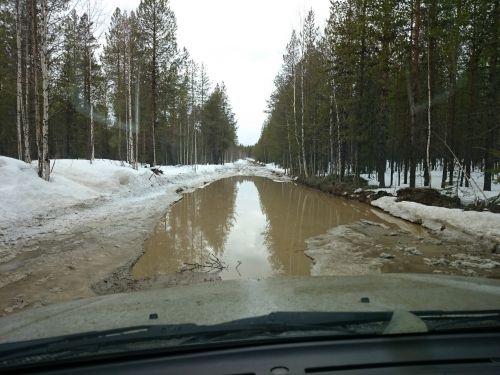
x=368, y=248
x=95, y=253
x=68, y=254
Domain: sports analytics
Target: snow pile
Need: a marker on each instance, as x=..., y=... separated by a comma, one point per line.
x=275, y=168
x=484, y=224
x=466, y=195
x=23, y=195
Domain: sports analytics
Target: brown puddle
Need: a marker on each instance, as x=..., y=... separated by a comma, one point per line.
x=255, y=222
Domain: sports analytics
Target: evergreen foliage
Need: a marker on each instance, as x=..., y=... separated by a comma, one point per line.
x=139, y=98
x=367, y=84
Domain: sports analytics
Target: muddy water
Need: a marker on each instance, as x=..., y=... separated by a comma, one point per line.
x=257, y=227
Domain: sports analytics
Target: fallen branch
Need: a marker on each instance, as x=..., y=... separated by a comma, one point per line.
x=212, y=264
x=156, y=171
x=53, y=165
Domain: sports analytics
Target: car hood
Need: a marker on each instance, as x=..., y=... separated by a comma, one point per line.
x=222, y=301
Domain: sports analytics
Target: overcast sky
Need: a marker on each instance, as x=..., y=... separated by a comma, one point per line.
x=241, y=42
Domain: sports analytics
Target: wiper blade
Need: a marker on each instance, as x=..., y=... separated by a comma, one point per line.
x=86, y=342
x=438, y=321
x=271, y=325
x=274, y=325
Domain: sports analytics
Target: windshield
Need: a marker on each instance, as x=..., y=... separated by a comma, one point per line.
x=231, y=170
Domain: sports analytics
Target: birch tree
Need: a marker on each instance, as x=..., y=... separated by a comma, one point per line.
x=88, y=47
x=302, y=104
x=43, y=157
x=292, y=58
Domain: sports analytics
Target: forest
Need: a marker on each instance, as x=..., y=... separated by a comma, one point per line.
x=129, y=92
x=402, y=85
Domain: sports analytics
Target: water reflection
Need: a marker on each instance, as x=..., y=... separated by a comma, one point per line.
x=258, y=227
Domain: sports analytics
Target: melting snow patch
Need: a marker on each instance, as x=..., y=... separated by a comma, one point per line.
x=482, y=224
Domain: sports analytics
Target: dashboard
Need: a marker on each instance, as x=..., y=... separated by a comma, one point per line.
x=458, y=353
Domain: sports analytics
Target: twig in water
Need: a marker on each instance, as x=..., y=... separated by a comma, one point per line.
x=212, y=264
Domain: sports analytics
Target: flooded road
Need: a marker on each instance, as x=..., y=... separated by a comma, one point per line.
x=255, y=226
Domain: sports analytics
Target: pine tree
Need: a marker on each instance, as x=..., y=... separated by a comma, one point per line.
x=158, y=27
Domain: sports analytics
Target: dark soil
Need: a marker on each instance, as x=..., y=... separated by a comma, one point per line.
x=429, y=197
x=347, y=188
x=357, y=190
x=121, y=281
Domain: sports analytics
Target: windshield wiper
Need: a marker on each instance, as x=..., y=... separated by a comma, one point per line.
x=442, y=321
x=274, y=325
x=279, y=325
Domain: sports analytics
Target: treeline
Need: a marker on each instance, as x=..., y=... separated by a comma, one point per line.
x=139, y=97
x=410, y=84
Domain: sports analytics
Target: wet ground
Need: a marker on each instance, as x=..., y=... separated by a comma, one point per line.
x=253, y=227
x=245, y=227
x=71, y=252
x=233, y=228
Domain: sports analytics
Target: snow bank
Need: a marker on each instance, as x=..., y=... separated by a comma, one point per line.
x=483, y=224
x=466, y=195
x=23, y=195
x=275, y=168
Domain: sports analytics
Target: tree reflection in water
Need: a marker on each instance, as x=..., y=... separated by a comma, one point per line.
x=194, y=227
x=253, y=222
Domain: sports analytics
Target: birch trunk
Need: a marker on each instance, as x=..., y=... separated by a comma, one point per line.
x=295, y=116
x=330, y=133
x=304, y=164
x=34, y=71
x=92, y=148
x=413, y=86
x=195, y=152
x=119, y=79
x=130, y=127
x=45, y=173
x=127, y=148
x=339, y=141
x=193, y=120
x=289, y=146
x=136, y=159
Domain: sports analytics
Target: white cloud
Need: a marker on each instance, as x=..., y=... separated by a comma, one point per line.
x=241, y=43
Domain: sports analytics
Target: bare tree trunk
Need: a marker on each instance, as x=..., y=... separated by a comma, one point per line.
x=34, y=70
x=289, y=145
x=295, y=117
x=130, y=127
x=491, y=138
x=431, y=47
x=330, y=133
x=429, y=103
x=19, y=94
x=90, y=104
x=195, y=152
x=136, y=166
x=303, y=147
x=92, y=147
x=45, y=173
x=193, y=119
x=127, y=148
x=413, y=85
x=26, y=131
x=119, y=80
x=339, y=142
x=153, y=91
